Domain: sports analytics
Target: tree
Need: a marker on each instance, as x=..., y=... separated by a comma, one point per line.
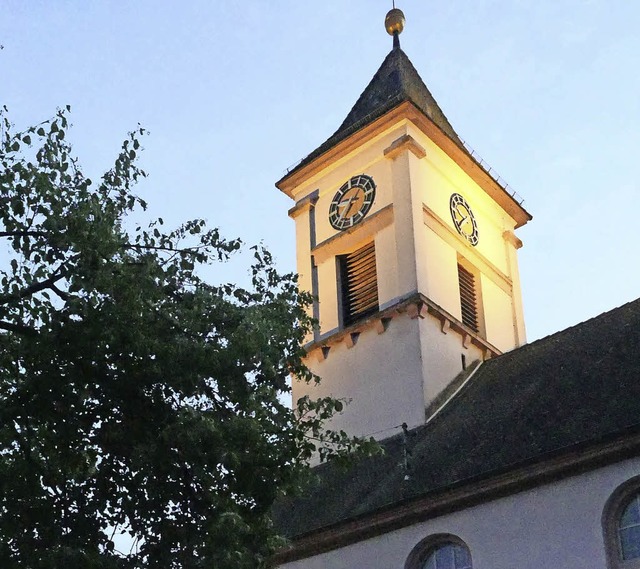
x=134, y=396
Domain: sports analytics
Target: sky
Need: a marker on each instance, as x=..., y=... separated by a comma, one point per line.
x=232, y=93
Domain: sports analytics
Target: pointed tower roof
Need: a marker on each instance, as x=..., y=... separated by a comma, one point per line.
x=395, y=82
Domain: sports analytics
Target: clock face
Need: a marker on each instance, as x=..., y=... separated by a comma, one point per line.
x=352, y=202
x=463, y=218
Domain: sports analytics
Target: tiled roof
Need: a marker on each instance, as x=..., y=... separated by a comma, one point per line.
x=565, y=392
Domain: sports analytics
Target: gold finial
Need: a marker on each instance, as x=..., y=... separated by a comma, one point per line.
x=394, y=22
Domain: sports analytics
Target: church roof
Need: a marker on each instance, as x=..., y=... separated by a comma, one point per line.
x=552, y=398
x=395, y=82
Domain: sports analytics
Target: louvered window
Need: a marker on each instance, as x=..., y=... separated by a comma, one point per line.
x=468, y=298
x=359, y=284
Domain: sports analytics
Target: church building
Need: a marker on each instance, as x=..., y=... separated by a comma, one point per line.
x=498, y=454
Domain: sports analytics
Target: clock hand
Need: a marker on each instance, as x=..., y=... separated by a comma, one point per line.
x=346, y=207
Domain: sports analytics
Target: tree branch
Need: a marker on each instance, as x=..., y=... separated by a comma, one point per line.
x=63, y=295
x=189, y=250
x=23, y=233
x=18, y=328
x=32, y=289
x=148, y=247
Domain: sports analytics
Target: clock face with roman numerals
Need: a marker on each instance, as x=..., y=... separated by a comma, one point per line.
x=463, y=218
x=352, y=202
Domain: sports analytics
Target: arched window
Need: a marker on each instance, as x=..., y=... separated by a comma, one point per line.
x=629, y=529
x=621, y=525
x=448, y=556
x=441, y=551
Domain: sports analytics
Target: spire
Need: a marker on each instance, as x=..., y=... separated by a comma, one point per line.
x=395, y=82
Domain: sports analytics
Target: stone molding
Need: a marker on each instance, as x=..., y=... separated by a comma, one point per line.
x=417, y=305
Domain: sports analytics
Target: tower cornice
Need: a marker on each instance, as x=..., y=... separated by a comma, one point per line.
x=407, y=111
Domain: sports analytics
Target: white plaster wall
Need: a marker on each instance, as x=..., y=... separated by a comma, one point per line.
x=387, y=267
x=439, y=176
x=420, y=248
x=518, y=310
x=434, y=179
x=381, y=374
x=440, y=281
x=498, y=315
x=303, y=259
x=441, y=356
x=555, y=526
x=403, y=208
x=303, y=247
x=328, y=296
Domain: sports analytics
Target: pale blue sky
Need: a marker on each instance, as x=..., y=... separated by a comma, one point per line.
x=235, y=92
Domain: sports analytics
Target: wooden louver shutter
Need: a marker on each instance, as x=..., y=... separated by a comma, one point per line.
x=359, y=284
x=468, y=300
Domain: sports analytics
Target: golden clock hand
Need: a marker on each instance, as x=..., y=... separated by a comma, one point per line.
x=346, y=208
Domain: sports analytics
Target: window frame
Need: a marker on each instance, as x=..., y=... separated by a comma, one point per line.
x=424, y=548
x=616, y=504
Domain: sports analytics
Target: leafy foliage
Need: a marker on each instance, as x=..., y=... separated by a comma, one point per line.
x=136, y=398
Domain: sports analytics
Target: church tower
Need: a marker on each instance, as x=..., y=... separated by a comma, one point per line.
x=407, y=244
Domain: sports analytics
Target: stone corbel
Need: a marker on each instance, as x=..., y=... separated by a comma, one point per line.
x=305, y=204
x=322, y=353
x=417, y=310
x=511, y=237
x=381, y=325
x=351, y=339
x=405, y=142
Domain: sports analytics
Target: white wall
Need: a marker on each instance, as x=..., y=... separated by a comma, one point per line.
x=498, y=315
x=556, y=526
x=381, y=374
x=442, y=357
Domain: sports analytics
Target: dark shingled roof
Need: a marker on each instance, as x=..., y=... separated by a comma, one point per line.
x=395, y=82
x=570, y=390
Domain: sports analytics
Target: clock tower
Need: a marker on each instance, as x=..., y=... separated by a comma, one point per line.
x=407, y=243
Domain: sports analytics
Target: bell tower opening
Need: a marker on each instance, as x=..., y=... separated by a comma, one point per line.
x=358, y=284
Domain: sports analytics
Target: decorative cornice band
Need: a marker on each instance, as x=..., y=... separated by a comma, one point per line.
x=416, y=305
x=345, y=241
